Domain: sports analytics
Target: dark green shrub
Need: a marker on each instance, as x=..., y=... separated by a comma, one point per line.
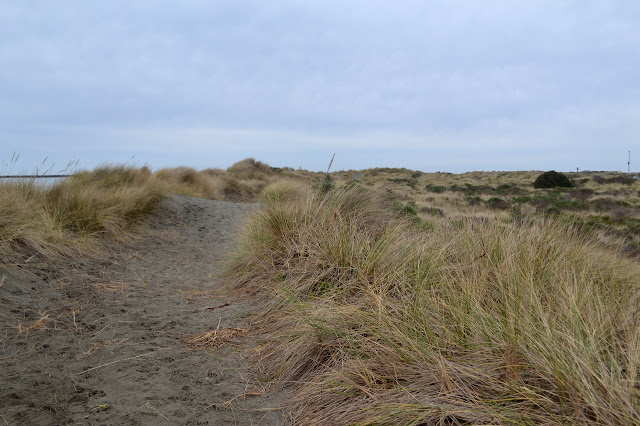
x=552, y=179
x=474, y=201
x=552, y=211
x=569, y=204
x=435, y=189
x=410, y=182
x=407, y=210
x=497, y=203
x=524, y=199
x=507, y=188
x=470, y=190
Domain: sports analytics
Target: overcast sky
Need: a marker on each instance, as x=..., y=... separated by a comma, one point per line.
x=428, y=85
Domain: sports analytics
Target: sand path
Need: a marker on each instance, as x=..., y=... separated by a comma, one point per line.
x=104, y=342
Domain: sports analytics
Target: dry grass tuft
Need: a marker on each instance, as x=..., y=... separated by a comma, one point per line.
x=111, y=201
x=284, y=190
x=241, y=182
x=376, y=319
x=187, y=181
x=250, y=169
x=55, y=220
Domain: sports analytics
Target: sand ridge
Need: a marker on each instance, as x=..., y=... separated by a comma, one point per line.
x=116, y=340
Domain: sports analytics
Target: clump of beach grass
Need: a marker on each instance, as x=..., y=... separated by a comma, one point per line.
x=249, y=168
x=378, y=320
x=111, y=200
x=283, y=190
x=243, y=181
x=188, y=181
x=57, y=219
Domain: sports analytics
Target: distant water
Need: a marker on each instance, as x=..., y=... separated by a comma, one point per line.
x=40, y=181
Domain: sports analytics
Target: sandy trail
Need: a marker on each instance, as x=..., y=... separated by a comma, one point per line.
x=104, y=342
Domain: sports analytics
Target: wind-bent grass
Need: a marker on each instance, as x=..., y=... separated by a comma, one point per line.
x=187, y=181
x=110, y=200
x=378, y=320
x=50, y=220
x=283, y=190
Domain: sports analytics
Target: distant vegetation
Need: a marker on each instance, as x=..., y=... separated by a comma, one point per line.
x=603, y=204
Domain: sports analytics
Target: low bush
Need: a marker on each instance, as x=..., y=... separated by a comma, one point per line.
x=552, y=179
x=524, y=199
x=470, y=189
x=508, y=189
x=411, y=183
x=497, y=203
x=435, y=189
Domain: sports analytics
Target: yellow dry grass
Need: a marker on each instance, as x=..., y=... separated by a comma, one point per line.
x=213, y=339
x=54, y=220
x=376, y=319
x=100, y=345
x=187, y=181
x=605, y=203
x=35, y=325
x=109, y=202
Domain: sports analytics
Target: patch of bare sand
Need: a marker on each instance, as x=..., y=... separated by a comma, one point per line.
x=143, y=335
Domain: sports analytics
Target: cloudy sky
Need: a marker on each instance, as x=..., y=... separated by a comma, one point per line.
x=428, y=85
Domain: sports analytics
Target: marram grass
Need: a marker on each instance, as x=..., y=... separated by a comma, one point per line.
x=376, y=320
x=58, y=219
x=111, y=200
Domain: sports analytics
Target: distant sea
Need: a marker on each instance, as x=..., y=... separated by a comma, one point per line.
x=41, y=180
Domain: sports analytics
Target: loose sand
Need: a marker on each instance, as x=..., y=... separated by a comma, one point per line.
x=119, y=340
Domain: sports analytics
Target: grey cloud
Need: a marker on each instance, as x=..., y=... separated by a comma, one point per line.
x=492, y=70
